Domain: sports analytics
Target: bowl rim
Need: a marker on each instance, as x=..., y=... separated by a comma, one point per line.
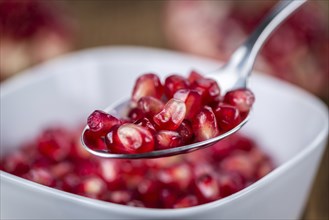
x=32, y=75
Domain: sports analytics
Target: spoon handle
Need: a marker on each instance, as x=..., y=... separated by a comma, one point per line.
x=244, y=57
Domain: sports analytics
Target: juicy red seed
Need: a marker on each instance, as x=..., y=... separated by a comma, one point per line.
x=173, y=83
x=146, y=123
x=230, y=183
x=168, y=198
x=186, y=201
x=92, y=186
x=129, y=138
x=101, y=122
x=69, y=182
x=93, y=140
x=147, y=85
x=55, y=144
x=148, y=191
x=186, y=132
x=205, y=124
x=227, y=116
x=135, y=114
x=208, y=89
x=192, y=100
x=194, y=76
x=150, y=106
x=118, y=196
x=241, y=164
x=86, y=167
x=171, y=115
x=207, y=188
x=41, y=176
x=16, y=163
x=168, y=139
x=243, y=99
x=61, y=169
x=179, y=176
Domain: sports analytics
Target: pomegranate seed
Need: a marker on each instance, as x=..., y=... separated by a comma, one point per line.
x=221, y=149
x=92, y=187
x=146, y=123
x=150, y=106
x=168, y=139
x=186, y=132
x=239, y=163
x=92, y=140
x=130, y=138
x=227, y=116
x=187, y=201
x=171, y=116
x=119, y=196
x=149, y=192
x=70, y=182
x=194, y=76
x=101, y=122
x=136, y=203
x=208, y=89
x=243, y=99
x=207, y=188
x=16, y=163
x=230, y=183
x=55, y=144
x=192, y=100
x=168, y=197
x=205, y=124
x=86, y=167
x=110, y=172
x=41, y=176
x=147, y=85
x=61, y=169
x=178, y=176
x=264, y=169
x=135, y=114
x=173, y=83
x=242, y=143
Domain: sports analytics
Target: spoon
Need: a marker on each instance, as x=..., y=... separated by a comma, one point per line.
x=234, y=74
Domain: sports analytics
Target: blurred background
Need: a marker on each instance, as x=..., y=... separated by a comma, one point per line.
x=32, y=31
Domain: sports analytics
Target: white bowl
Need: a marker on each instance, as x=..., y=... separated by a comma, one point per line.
x=289, y=123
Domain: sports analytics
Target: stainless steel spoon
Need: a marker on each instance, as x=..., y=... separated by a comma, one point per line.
x=234, y=74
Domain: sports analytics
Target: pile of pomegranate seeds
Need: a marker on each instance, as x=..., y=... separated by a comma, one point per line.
x=56, y=159
x=179, y=112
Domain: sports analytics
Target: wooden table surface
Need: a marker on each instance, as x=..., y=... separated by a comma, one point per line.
x=102, y=23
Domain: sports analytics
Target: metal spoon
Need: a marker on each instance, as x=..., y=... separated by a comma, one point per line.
x=234, y=74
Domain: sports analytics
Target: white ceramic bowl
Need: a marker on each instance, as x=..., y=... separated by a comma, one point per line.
x=289, y=123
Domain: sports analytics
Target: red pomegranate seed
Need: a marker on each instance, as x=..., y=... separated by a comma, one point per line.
x=205, y=124
x=55, y=144
x=16, y=163
x=207, y=188
x=242, y=143
x=168, y=139
x=243, y=99
x=208, y=89
x=171, y=116
x=264, y=169
x=135, y=114
x=136, y=203
x=147, y=85
x=179, y=176
x=70, y=182
x=148, y=191
x=150, y=106
x=186, y=131
x=227, y=116
x=168, y=197
x=192, y=100
x=173, y=83
x=118, y=196
x=41, y=176
x=101, y=122
x=92, y=187
x=92, y=140
x=130, y=138
x=110, y=172
x=241, y=164
x=186, y=201
x=193, y=76
x=146, y=123
x=61, y=169
x=86, y=167
x=229, y=184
